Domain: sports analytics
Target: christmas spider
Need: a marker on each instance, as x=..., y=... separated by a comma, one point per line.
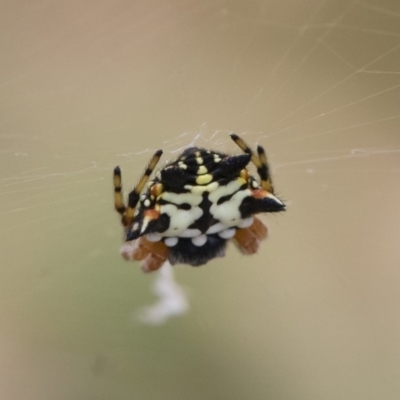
x=195, y=205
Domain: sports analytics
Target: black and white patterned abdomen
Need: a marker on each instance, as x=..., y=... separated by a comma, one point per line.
x=199, y=224
x=196, y=204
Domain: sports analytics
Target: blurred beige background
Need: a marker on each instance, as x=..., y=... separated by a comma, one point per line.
x=89, y=85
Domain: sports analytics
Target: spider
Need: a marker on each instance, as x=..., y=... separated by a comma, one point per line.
x=195, y=205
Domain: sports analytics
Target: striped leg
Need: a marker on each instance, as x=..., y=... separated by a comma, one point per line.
x=259, y=161
x=127, y=212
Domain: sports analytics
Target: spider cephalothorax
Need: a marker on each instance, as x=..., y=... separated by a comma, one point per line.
x=195, y=205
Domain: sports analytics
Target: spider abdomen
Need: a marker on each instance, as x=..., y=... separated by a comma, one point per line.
x=186, y=252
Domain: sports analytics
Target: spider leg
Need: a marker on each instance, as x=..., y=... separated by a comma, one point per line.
x=263, y=170
x=259, y=161
x=134, y=196
x=152, y=255
x=118, y=199
x=248, y=239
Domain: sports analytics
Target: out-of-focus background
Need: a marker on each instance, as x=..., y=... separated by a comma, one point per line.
x=89, y=85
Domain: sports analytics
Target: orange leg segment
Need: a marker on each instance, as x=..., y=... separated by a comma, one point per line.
x=248, y=239
x=152, y=255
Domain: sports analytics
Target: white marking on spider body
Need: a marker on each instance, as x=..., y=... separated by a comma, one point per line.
x=226, y=190
x=204, y=179
x=144, y=225
x=181, y=198
x=146, y=203
x=202, y=170
x=153, y=237
x=199, y=190
x=245, y=223
x=171, y=241
x=227, y=233
x=228, y=212
x=199, y=240
x=190, y=233
x=180, y=220
x=182, y=165
x=271, y=196
x=218, y=227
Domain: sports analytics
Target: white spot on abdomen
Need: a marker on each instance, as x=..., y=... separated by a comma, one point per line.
x=171, y=241
x=227, y=233
x=199, y=240
x=153, y=237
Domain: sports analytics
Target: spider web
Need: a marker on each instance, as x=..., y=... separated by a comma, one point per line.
x=87, y=87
